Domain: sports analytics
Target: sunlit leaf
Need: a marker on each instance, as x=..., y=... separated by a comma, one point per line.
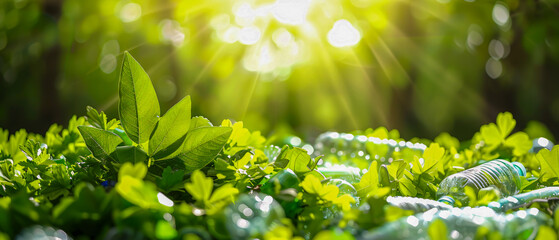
x=171, y=130
x=138, y=106
x=201, y=186
x=549, y=161
x=202, y=145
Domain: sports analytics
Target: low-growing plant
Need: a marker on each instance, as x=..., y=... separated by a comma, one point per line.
x=177, y=176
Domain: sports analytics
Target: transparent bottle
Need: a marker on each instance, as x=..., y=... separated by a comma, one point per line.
x=416, y=204
x=466, y=223
x=501, y=174
x=346, y=146
x=253, y=215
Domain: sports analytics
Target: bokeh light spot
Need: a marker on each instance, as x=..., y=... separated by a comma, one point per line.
x=108, y=63
x=249, y=35
x=130, y=12
x=494, y=68
x=292, y=12
x=500, y=14
x=343, y=34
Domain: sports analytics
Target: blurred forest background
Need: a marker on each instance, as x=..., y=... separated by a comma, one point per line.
x=299, y=66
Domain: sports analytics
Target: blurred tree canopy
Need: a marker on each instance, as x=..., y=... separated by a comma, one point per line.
x=423, y=66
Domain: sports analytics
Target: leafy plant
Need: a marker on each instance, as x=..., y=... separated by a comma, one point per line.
x=175, y=176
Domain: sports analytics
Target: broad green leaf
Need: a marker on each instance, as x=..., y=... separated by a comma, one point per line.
x=138, y=106
x=171, y=130
x=437, y=230
x=198, y=122
x=101, y=143
x=506, y=123
x=202, y=145
x=201, y=186
x=131, y=154
x=298, y=159
x=549, y=161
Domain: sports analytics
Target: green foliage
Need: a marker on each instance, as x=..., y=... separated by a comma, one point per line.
x=171, y=130
x=549, y=161
x=173, y=177
x=202, y=145
x=138, y=106
x=100, y=142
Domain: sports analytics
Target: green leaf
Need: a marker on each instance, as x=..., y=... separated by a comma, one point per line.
x=491, y=134
x=171, y=130
x=369, y=181
x=437, y=230
x=142, y=194
x=431, y=157
x=170, y=179
x=298, y=159
x=138, y=106
x=198, y=122
x=549, y=161
x=138, y=171
x=101, y=143
x=312, y=185
x=99, y=119
x=201, y=186
x=224, y=193
x=506, y=123
x=520, y=142
x=164, y=230
x=131, y=154
x=407, y=187
x=202, y=145
x=546, y=233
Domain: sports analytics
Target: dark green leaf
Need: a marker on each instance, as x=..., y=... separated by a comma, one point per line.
x=101, y=143
x=129, y=154
x=170, y=179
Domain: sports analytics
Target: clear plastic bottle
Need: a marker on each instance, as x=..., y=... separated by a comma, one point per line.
x=501, y=174
x=349, y=146
x=464, y=224
x=416, y=204
x=253, y=215
x=336, y=171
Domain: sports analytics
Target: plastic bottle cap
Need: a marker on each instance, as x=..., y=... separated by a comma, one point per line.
x=519, y=168
x=448, y=200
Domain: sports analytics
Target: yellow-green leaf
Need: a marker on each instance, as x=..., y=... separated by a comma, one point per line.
x=201, y=186
x=138, y=106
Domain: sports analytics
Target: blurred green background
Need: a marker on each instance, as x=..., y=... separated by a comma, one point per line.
x=300, y=66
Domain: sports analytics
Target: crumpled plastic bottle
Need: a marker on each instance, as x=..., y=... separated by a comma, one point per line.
x=501, y=174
